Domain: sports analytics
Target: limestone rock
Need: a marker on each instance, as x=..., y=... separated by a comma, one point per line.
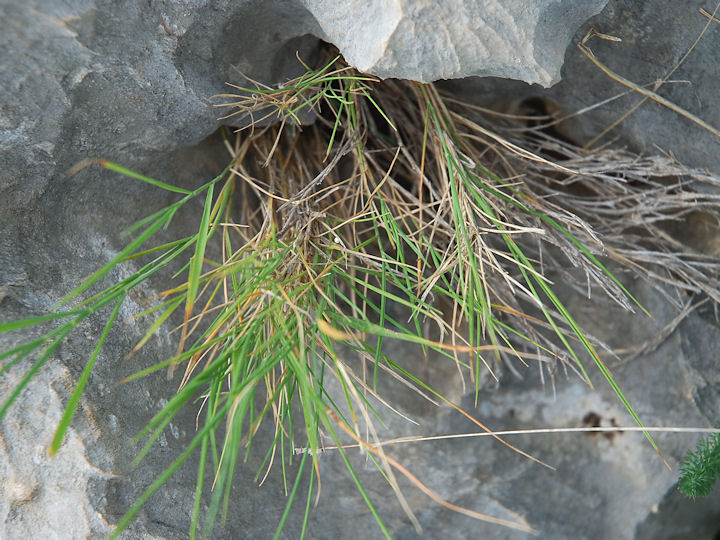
x=428, y=40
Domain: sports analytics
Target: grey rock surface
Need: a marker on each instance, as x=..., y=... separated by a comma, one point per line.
x=656, y=37
x=37, y=499
x=427, y=41
x=128, y=79
x=132, y=82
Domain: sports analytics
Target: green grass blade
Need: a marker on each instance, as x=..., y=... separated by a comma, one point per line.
x=132, y=174
x=34, y=369
x=291, y=497
x=196, y=262
x=95, y=277
x=155, y=325
x=25, y=349
x=167, y=473
x=199, y=489
x=32, y=321
x=75, y=397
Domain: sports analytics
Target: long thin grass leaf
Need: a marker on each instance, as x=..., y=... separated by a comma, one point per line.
x=32, y=321
x=132, y=174
x=74, y=400
x=39, y=363
x=167, y=473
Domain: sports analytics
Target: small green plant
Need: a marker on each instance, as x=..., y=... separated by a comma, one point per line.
x=700, y=469
x=395, y=194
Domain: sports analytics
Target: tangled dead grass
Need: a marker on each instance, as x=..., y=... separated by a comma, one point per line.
x=461, y=203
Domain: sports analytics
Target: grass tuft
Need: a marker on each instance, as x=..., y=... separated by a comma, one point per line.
x=396, y=195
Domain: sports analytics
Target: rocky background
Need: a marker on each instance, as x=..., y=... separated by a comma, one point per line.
x=131, y=82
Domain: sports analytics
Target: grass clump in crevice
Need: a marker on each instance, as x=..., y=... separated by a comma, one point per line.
x=395, y=194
